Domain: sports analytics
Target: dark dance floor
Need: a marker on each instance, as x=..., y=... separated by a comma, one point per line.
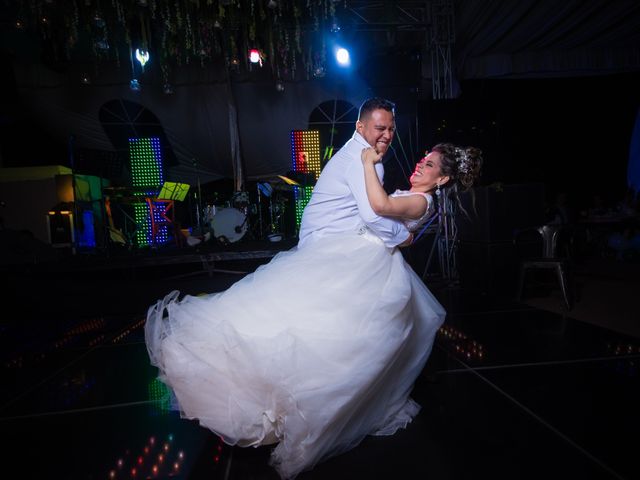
x=510, y=392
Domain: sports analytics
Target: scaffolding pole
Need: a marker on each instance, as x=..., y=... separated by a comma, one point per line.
x=441, y=37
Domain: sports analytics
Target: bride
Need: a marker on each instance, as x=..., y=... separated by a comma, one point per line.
x=321, y=346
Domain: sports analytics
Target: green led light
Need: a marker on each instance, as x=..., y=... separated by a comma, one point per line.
x=146, y=162
x=143, y=233
x=160, y=396
x=302, y=196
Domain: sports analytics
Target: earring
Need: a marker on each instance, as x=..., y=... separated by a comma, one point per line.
x=438, y=189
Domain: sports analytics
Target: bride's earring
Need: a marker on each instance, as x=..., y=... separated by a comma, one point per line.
x=438, y=189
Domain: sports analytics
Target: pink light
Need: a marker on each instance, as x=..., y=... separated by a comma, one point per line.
x=254, y=55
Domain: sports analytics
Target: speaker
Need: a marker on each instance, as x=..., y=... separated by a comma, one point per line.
x=499, y=211
x=60, y=226
x=488, y=267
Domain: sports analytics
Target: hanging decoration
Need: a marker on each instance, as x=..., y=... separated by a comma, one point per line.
x=185, y=32
x=142, y=56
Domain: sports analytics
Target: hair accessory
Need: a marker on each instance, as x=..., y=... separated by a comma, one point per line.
x=463, y=160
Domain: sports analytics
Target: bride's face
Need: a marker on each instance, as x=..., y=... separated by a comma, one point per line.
x=427, y=173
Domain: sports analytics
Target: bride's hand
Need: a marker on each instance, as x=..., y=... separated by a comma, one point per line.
x=370, y=155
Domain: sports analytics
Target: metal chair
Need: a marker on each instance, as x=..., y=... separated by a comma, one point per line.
x=555, y=255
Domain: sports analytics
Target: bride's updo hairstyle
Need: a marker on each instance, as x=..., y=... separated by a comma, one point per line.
x=462, y=165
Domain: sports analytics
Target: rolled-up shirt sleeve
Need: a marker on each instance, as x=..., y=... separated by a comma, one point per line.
x=392, y=232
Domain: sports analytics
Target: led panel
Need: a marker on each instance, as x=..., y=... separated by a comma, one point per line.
x=305, y=158
x=146, y=162
x=147, y=173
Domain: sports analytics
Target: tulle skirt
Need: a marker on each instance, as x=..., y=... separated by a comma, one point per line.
x=313, y=351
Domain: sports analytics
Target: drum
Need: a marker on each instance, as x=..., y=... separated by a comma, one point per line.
x=229, y=223
x=240, y=200
x=208, y=213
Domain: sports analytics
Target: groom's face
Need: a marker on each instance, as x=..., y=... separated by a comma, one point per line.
x=378, y=129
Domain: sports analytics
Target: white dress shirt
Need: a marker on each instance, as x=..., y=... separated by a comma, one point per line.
x=339, y=201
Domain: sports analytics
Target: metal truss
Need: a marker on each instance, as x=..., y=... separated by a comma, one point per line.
x=445, y=241
x=441, y=39
x=387, y=15
x=429, y=24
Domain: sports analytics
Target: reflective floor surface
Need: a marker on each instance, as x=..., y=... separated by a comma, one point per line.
x=510, y=392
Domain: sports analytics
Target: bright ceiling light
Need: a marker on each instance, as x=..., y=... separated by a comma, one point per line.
x=142, y=56
x=342, y=55
x=255, y=56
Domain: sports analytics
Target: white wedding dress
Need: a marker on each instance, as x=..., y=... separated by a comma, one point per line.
x=313, y=351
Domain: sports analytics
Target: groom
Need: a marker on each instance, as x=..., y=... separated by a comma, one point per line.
x=339, y=200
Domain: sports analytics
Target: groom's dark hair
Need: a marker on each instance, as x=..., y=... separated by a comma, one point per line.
x=376, y=103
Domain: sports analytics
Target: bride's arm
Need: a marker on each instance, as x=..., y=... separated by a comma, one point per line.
x=411, y=206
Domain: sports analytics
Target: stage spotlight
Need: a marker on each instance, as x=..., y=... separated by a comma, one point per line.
x=342, y=56
x=142, y=56
x=255, y=56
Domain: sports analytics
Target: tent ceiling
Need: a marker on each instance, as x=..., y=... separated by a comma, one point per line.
x=72, y=59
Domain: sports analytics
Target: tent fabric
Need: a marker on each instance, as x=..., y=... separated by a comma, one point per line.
x=533, y=38
x=633, y=170
x=196, y=119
